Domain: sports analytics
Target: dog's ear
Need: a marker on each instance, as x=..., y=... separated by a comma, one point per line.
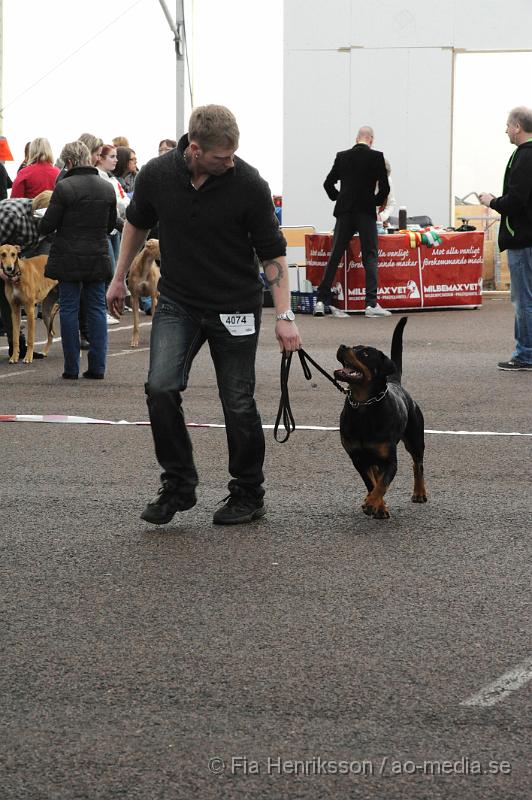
x=387, y=366
x=18, y=248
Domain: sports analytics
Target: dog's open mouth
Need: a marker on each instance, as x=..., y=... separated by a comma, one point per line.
x=347, y=374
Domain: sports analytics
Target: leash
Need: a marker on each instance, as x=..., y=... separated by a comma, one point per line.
x=285, y=411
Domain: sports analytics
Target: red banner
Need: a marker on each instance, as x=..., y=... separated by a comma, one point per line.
x=448, y=274
x=452, y=272
x=317, y=251
x=398, y=273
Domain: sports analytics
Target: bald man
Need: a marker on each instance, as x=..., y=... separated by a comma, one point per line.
x=363, y=187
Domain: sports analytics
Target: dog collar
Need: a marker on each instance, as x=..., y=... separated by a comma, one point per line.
x=376, y=399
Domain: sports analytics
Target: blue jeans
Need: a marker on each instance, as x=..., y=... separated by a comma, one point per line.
x=69, y=296
x=520, y=265
x=178, y=332
x=114, y=249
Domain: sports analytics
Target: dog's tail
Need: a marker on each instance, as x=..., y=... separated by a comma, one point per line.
x=397, y=346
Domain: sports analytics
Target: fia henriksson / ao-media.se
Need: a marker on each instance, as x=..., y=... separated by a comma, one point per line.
x=386, y=766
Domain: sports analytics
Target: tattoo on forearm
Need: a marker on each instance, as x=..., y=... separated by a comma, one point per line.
x=273, y=271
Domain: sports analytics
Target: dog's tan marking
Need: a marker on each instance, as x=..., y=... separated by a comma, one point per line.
x=374, y=505
x=420, y=491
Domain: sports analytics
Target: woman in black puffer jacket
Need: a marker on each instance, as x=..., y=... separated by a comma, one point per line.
x=82, y=212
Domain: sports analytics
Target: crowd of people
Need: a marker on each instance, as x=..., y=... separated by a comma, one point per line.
x=71, y=235
x=99, y=210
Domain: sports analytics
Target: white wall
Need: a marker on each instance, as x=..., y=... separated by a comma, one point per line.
x=389, y=65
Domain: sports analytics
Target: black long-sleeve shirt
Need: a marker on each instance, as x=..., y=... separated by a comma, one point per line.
x=208, y=237
x=515, y=205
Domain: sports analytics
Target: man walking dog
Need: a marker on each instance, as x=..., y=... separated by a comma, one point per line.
x=359, y=171
x=215, y=213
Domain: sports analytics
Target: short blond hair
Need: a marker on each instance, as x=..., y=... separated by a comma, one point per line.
x=93, y=142
x=213, y=126
x=40, y=151
x=77, y=153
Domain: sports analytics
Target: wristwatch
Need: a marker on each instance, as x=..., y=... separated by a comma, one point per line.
x=288, y=316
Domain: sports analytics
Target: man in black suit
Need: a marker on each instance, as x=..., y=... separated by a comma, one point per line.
x=363, y=187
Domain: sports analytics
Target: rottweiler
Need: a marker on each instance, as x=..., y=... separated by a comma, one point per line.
x=378, y=413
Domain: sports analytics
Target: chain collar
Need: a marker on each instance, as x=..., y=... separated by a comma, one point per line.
x=378, y=397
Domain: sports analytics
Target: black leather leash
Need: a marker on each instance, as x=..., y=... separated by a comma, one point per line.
x=285, y=412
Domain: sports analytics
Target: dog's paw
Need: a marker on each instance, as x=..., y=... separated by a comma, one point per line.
x=134, y=343
x=419, y=498
x=375, y=512
x=380, y=512
x=13, y=360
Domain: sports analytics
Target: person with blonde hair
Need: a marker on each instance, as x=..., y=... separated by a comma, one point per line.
x=40, y=173
x=94, y=144
x=216, y=218
x=82, y=212
x=121, y=141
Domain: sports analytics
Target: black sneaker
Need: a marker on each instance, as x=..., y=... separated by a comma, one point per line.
x=239, y=508
x=166, y=503
x=514, y=365
x=95, y=376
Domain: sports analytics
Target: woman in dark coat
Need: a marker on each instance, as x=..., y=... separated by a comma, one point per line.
x=82, y=212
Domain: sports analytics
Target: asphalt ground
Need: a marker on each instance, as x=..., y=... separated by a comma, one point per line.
x=311, y=643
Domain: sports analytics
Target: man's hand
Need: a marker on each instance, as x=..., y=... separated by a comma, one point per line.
x=116, y=294
x=486, y=198
x=287, y=335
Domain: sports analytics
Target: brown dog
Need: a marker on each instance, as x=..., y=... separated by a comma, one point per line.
x=142, y=281
x=26, y=286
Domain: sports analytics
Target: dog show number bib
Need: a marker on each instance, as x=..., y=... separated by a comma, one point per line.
x=239, y=324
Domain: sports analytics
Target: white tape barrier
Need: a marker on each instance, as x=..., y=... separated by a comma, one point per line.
x=72, y=420
x=501, y=687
